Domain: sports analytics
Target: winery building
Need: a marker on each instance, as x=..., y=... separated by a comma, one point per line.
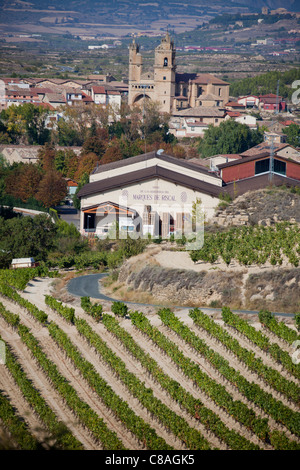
x=151, y=193
x=155, y=193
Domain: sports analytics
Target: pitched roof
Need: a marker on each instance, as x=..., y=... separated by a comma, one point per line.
x=199, y=78
x=146, y=174
x=201, y=111
x=209, y=97
x=263, y=147
x=204, y=78
x=235, y=104
x=250, y=158
x=148, y=156
x=55, y=97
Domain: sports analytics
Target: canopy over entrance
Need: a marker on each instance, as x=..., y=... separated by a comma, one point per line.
x=106, y=208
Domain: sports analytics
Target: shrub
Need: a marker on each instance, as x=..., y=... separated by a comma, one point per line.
x=119, y=309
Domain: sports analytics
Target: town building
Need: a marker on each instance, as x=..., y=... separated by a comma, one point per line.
x=272, y=102
x=173, y=90
x=193, y=122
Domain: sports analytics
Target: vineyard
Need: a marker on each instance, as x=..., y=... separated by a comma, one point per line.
x=252, y=245
x=84, y=376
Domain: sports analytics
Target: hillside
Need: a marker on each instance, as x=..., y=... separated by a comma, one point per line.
x=156, y=381
x=255, y=267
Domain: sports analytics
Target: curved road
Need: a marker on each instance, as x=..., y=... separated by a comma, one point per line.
x=89, y=286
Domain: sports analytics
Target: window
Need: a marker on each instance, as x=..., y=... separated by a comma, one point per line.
x=262, y=166
x=89, y=222
x=279, y=167
x=165, y=62
x=164, y=78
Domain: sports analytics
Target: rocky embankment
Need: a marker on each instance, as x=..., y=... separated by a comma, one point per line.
x=262, y=207
x=152, y=278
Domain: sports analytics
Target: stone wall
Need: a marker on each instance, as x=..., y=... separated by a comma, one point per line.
x=263, y=207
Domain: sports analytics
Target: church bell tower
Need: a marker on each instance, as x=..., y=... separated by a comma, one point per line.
x=165, y=73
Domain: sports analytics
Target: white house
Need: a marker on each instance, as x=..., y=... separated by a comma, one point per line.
x=106, y=95
x=249, y=101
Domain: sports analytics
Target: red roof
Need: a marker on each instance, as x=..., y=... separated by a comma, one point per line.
x=269, y=95
x=87, y=97
x=45, y=105
x=42, y=91
x=235, y=104
x=288, y=123
x=99, y=90
x=233, y=113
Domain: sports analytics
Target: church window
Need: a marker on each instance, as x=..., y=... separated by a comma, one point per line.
x=165, y=62
x=164, y=78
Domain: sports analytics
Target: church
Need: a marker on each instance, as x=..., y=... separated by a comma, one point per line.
x=174, y=91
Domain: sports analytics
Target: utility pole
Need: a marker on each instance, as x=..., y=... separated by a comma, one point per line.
x=271, y=169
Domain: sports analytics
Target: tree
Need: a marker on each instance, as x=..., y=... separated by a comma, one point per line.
x=46, y=157
x=52, y=189
x=66, y=162
x=96, y=142
x=26, y=124
x=83, y=181
x=229, y=137
x=113, y=153
x=24, y=237
x=293, y=134
x=28, y=177
x=86, y=164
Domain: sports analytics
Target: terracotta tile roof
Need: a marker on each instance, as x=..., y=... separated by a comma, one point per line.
x=235, y=104
x=233, y=113
x=45, y=105
x=201, y=111
x=200, y=78
x=55, y=97
x=203, y=78
x=263, y=147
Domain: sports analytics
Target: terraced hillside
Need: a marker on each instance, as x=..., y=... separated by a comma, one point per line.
x=155, y=380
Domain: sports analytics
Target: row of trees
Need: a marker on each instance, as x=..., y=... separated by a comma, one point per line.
x=267, y=83
x=30, y=124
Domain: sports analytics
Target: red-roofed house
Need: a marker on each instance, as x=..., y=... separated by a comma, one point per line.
x=271, y=102
x=247, y=119
x=106, y=95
